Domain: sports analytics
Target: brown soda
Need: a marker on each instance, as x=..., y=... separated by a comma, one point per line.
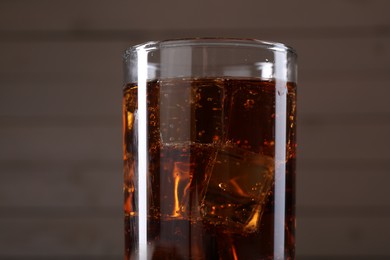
x=211, y=166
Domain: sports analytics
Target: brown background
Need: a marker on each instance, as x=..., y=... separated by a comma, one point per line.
x=60, y=117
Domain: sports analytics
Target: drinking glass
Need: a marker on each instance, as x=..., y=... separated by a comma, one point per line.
x=209, y=149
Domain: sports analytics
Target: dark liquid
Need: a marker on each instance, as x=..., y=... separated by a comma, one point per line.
x=211, y=169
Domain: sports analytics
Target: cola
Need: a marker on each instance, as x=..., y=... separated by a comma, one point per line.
x=210, y=168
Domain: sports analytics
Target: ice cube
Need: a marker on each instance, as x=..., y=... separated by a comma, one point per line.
x=175, y=112
x=181, y=178
x=237, y=190
x=250, y=111
x=190, y=111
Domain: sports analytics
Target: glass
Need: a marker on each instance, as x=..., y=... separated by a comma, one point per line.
x=209, y=149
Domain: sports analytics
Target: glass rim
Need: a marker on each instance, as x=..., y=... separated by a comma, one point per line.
x=210, y=41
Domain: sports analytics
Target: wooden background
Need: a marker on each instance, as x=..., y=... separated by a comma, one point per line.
x=60, y=122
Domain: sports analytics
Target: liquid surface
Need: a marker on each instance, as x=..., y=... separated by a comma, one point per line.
x=211, y=168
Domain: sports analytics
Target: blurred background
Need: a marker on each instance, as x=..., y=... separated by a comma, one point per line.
x=60, y=117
